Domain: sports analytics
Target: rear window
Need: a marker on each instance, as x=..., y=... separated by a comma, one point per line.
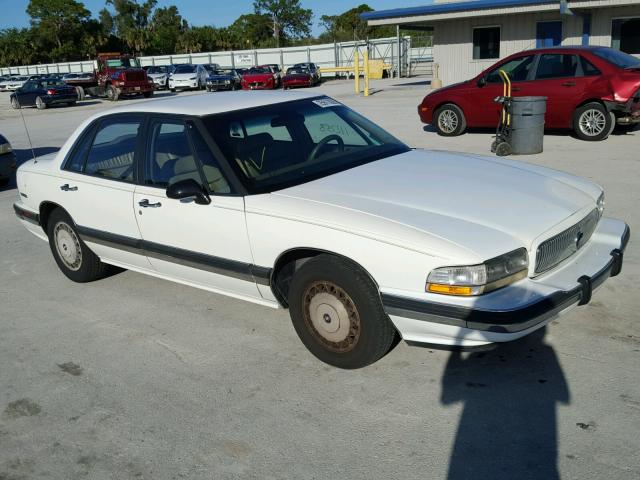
x=618, y=58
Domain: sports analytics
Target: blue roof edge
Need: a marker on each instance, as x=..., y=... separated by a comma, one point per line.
x=450, y=7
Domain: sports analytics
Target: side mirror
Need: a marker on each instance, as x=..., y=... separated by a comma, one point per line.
x=188, y=189
x=482, y=81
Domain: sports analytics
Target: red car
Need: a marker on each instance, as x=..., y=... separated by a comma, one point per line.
x=297, y=77
x=588, y=89
x=259, y=78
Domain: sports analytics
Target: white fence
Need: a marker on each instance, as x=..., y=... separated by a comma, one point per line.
x=325, y=55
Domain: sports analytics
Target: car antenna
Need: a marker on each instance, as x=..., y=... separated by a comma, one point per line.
x=33, y=153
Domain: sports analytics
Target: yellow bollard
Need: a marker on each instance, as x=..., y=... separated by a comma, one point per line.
x=366, y=73
x=356, y=69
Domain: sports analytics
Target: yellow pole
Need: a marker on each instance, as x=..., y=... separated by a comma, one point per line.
x=356, y=69
x=366, y=72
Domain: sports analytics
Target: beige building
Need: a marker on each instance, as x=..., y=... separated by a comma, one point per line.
x=469, y=36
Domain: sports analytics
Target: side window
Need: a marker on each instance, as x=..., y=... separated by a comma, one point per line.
x=75, y=162
x=518, y=70
x=556, y=65
x=210, y=168
x=324, y=123
x=113, y=149
x=169, y=157
x=588, y=69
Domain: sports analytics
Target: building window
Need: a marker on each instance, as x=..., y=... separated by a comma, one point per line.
x=486, y=43
x=625, y=34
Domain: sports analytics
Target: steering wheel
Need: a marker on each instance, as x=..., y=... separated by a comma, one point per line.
x=323, y=142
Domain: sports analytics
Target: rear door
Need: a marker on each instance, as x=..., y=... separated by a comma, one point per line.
x=485, y=112
x=559, y=77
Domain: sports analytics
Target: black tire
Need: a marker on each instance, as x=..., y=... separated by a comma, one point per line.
x=503, y=149
x=80, y=267
x=148, y=94
x=71, y=104
x=449, y=120
x=4, y=181
x=627, y=128
x=592, y=122
x=40, y=105
x=112, y=93
x=172, y=90
x=14, y=103
x=369, y=333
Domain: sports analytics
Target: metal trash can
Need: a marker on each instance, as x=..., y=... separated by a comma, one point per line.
x=527, y=124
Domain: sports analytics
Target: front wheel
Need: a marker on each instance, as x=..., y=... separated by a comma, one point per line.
x=336, y=311
x=592, y=122
x=449, y=120
x=73, y=257
x=148, y=94
x=15, y=103
x=112, y=93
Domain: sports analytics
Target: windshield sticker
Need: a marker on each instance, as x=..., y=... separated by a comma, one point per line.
x=326, y=102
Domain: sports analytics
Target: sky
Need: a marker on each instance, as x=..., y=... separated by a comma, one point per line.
x=219, y=13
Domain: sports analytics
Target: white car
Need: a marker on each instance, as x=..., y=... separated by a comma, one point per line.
x=188, y=77
x=159, y=75
x=293, y=200
x=13, y=83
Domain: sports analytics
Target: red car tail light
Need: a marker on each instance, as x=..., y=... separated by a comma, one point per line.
x=51, y=92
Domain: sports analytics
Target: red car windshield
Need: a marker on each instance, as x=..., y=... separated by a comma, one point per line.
x=258, y=70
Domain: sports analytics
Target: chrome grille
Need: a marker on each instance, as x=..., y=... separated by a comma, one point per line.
x=561, y=246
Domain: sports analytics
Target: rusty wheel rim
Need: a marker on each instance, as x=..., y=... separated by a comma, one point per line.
x=331, y=316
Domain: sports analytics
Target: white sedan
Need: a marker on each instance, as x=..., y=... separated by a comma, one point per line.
x=187, y=77
x=293, y=200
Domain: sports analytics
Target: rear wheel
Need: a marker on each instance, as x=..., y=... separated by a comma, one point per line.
x=336, y=311
x=80, y=92
x=14, y=103
x=592, y=122
x=73, y=257
x=40, y=103
x=449, y=120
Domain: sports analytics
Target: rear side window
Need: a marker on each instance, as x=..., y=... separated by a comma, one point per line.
x=556, y=65
x=112, y=153
x=517, y=69
x=75, y=163
x=588, y=69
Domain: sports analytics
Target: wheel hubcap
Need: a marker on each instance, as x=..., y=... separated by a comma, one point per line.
x=592, y=122
x=331, y=316
x=68, y=246
x=448, y=121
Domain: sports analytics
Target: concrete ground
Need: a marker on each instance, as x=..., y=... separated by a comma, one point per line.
x=133, y=377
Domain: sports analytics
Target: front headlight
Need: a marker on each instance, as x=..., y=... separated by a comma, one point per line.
x=193, y=78
x=5, y=148
x=478, y=279
x=600, y=204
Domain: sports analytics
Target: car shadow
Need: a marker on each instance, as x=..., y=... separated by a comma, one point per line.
x=23, y=155
x=509, y=397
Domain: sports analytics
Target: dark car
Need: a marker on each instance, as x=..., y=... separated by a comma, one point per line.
x=297, y=77
x=223, y=79
x=588, y=89
x=7, y=160
x=241, y=71
x=43, y=93
x=313, y=69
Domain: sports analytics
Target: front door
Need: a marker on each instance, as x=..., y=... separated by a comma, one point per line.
x=485, y=111
x=204, y=245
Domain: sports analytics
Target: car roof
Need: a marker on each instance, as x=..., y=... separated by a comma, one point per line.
x=568, y=48
x=200, y=105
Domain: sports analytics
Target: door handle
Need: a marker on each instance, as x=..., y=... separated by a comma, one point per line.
x=515, y=89
x=67, y=188
x=568, y=84
x=144, y=203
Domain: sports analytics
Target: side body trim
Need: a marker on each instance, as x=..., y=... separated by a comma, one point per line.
x=27, y=215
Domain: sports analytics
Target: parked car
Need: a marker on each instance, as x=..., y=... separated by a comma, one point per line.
x=277, y=72
x=43, y=93
x=14, y=83
x=259, y=78
x=7, y=160
x=290, y=199
x=188, y=77
x=312, y=67
x=297, y=77
x=588, y=89
x=241, y=71
x=223, y=79
x=211, y=67
x=159, y=75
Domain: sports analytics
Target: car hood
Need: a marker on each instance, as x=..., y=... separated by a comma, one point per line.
x=219, y=77
x=156, y=75
x=257, y=77
x=443, y=203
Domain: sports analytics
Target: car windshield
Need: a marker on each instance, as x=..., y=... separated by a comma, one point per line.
x=259, y=70
x=185, y=69
x=157, y=70
x=297, y=71
x=51, y=82
x=71, y=75
x=222, y=72
x=122, y=63
x=618, y=58
x=285, y=144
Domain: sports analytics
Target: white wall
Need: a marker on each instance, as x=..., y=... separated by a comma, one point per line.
x=453, y=44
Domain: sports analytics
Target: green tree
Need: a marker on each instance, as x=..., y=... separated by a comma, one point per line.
x=349, y=26
x=18, y=47
x=289, y=20
x=131, y=22
x=252, y=30
x=167, y=25
x=58, y=26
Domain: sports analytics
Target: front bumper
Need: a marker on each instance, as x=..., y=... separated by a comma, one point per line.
x=516, y=310
x=183, y=85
